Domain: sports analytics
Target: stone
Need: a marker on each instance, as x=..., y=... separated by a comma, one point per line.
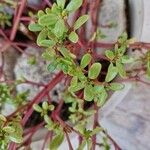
x=128, y=123
x=37, y=73
x=113, y=13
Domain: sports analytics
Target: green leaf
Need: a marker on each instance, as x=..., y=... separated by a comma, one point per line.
x=116, y=86
x=121, y=69
x=47, y=43
x=55, y=9
x=48, y=19
x=98, y=89
x=94, y=70
x=64, y=67
x=61, y=3
x=86, y=59
x=102, y=97
x=37, y=108
x=74, y=81
x=8, y=129
x=76, y=88
x=66, y=61
x=80, y=21
x=59, y=28
x=111, y=73
x=48, y=120
x=45, y=105
x=82, y=145
x=56, y=142
x=49, y=54
x=126, y=59
x=51, y=107
x=40, y=13
x=73, y=37
x=48, y=10
x=52, y=66
x=42, y=36
x=15, y=138
x=110, y=54
x=96, y=131
x=35, y=27
x=74, y=5
x=64, y=51
x=17, y=135
x=88, y=92
x=80, y=75
x=121, y=50
x=123, y=38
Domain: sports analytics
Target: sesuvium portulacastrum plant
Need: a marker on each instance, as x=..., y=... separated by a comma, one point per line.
x=78, y=63
x=54, y=32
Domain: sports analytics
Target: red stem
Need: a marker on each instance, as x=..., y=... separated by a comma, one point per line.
x=69, y=142
x=17, y=20
x=39, y=96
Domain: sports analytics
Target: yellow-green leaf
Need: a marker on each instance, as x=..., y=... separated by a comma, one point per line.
x=94, y=70
x=85, y=60
x=111, y=73
x=73, y=37
x=80, y=21
x=74, y=5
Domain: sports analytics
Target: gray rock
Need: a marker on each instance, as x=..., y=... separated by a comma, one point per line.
x=37, y=73
x=112, y=12
x=129, y=122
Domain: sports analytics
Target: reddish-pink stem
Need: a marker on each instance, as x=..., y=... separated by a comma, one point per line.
x=17, y=20
x=38, y=98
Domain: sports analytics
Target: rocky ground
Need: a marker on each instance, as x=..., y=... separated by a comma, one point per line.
x=129, y=119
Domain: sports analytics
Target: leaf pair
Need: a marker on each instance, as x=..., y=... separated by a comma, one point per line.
x=114, y=70
x=94, y=70
x=73, y=37
x=74, y=5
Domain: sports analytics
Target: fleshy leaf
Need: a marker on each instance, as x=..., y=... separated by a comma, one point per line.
x=17, y=135
x=47, y=43
x=48, y=19
x=52, y=66
x=59, y=28
x=74, y=5
x=123, y=38
x=82, y=145
x=45, y=105
x=49, y=54
x=126, y=59
x=109, y=54
x=121, y=69
x=74, y=81
x=80, y=21
x=116, y=86
x=85, y=60
x=102, y=97
x=94, y=70
x=37, y=108
x=73, y=37
x=61, y=3
x=111, y=73
x=56, y=142
x=35, y=27
x=88, y=93
x=42, y=36
x=76, y=88
x=40, y=13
